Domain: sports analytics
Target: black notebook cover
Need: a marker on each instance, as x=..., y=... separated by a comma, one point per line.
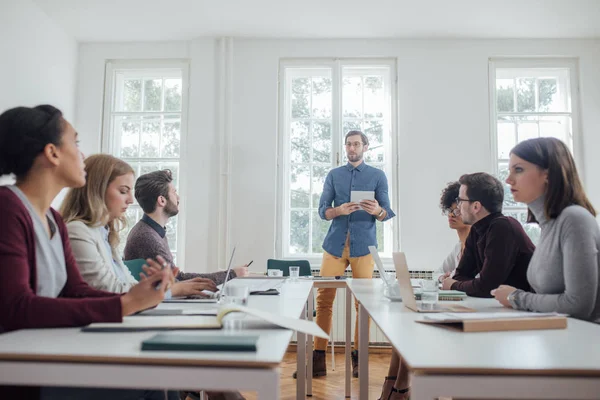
x=172, y=341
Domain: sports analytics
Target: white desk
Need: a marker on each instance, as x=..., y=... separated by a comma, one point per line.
x=69, y=357
x=550, y=364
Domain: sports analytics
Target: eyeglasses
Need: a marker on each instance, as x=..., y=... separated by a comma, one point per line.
x=458, y=200
x=455, y=212
x=355, y=144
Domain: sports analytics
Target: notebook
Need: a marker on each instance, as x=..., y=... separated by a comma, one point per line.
x=446, y=295
x=497, y=321
x=174, y=341
x=174, y=322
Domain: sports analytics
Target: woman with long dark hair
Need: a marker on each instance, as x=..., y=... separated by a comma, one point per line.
x=564, y=270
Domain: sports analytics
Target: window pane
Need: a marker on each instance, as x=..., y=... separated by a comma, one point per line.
x=505, y=91
x=375, y=103
x=318, y=179
x=132, y=95
x=300, y=138
x=352, y=96
x=527, y=129
x=300, y=98
x=380, y=241
x=171, y=136
x=127, y=130
x=319, y=230
x=150, y=137
x=321, y=142
x=506, y=137
x=556, y=127
x=548, y=96
x=376, y=151
x=525, y=94
x=321, y=98
x=508, y=197
x=146, y=167
x=172, y=233
x=299, y=186
x=173, y=95
x=298, y=232
x=348, y=126
x=152, y=94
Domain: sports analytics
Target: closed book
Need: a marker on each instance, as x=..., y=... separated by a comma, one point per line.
x=172, y=341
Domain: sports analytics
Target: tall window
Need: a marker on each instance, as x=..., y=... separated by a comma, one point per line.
x=530, y=99
x=320, y=103
x=143, y=114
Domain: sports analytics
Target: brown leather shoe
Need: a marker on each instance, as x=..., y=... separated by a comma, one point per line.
x=354, y=356
x=319, y=365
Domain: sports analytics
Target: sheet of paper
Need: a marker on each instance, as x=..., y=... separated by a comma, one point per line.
x=298, y=325
x=356, y=196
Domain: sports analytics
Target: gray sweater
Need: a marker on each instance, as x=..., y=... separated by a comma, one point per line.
x=564, y=270
x=144, y=241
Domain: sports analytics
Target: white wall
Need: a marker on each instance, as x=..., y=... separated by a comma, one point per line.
x=39, y=60
x=443, y=130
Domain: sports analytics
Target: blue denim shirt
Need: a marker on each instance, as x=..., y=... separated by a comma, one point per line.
x=361, y=225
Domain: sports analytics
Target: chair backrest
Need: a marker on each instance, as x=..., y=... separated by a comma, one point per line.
x=135, y=267
x=284, y=265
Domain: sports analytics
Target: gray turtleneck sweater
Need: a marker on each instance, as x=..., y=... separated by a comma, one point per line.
x=564, y=271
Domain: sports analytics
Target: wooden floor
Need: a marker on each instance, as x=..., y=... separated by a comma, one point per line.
x=331, y=387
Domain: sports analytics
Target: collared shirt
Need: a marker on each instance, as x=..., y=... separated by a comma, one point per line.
x=359, y=225
x=497, y=252
x=161, y=230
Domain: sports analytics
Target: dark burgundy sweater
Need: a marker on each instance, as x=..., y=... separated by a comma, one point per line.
x=499, y=250
x=77, y=305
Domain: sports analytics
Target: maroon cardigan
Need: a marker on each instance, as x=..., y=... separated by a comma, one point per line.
x=20, y=308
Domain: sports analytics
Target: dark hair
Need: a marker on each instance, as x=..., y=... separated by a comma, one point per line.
x=564, y=187
x=151, y=185
x=364, y=138
x=485, y=189
x=24, y=133
x=449, y=195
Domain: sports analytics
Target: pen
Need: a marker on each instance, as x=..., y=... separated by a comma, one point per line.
x=164, y=265
x=250, y=263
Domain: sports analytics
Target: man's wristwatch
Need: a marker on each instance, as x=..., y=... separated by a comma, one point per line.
x=380, y=213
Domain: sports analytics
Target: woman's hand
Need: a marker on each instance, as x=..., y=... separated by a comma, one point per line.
x=153, y=267
x=146, y=294
x=501, y=294
x=193, y=287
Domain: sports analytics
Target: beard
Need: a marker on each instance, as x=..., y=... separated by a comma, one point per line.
x=354, y=157
x=171, y=209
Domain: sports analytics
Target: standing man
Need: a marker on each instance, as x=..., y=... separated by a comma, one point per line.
x=351, y=232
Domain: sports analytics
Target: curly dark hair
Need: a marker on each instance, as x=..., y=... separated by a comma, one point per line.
x=449, y=195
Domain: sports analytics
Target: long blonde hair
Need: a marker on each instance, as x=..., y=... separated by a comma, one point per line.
x=87, y=203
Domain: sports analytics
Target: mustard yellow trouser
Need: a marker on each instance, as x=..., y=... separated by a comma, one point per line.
x=362, y=267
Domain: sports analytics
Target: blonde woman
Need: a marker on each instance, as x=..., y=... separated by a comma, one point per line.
x=95, y=214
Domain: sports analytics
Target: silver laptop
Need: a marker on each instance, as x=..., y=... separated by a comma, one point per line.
x=392, y=292
x=408, y=295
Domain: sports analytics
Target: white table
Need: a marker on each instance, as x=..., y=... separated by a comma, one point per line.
x=69, y=357
x=550, y=364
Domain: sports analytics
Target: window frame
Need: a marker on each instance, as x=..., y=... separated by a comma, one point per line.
x=108, y=141
x=572, y=67
x=335, y=66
